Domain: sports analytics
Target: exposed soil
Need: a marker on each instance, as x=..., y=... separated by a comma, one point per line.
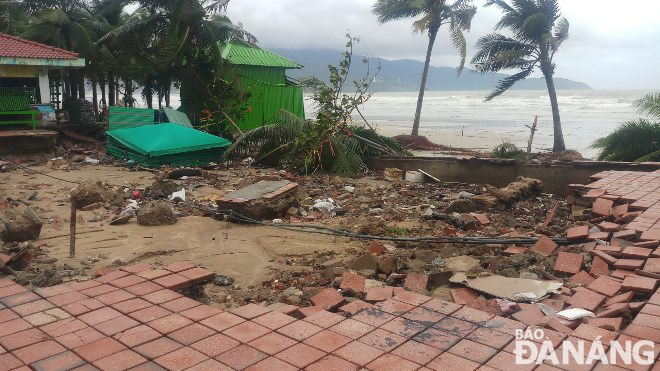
x=267, y=264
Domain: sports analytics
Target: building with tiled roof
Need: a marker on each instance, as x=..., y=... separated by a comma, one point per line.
x=26, y=64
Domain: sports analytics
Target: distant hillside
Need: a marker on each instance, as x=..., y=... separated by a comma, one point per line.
x=404, y=74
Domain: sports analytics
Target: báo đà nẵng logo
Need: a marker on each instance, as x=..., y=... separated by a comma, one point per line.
x=532, y=346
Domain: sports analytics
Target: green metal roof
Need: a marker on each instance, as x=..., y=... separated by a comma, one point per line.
x=254, y=56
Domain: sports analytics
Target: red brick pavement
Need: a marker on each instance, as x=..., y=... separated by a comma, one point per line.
x=164, y=330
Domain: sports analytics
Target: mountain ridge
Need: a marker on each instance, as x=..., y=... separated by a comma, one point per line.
x=403, y=75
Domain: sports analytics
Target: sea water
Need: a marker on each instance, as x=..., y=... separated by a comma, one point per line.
x=464, y=119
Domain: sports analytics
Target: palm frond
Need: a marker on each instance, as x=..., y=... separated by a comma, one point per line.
x=391, y=10
x=634, y=140
x=649, y=105
x=269, y=142
x=345, y=159
x=137, y=23
x=458, y=41
x=504, y=84
x=561, y=32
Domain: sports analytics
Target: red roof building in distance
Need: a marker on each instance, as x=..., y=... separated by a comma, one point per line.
x=16, y=47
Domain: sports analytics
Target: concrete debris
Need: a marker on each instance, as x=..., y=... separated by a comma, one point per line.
x=262, y=200
x=156, y=213
x=19, y=224
x=89, y=193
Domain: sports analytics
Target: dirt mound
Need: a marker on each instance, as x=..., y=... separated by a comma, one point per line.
x=90, y=193
x=419, y=143
x=20, y=224
x=156, y=213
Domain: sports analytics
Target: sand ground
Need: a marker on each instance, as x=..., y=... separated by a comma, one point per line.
x=246, y=253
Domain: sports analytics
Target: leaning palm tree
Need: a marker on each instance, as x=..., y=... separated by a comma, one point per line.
x=434, y=14
x=538, y=30
x=635, y=140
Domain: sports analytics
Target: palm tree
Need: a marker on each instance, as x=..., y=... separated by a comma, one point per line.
x=434, y=14
x=181, y=32
x=538, y=31
x=635, y=140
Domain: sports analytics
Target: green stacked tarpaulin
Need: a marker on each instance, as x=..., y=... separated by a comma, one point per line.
x=165, y=144
x=127, y=117
x=176, y=117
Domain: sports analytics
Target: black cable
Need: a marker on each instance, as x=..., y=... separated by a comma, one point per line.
x=37, y=172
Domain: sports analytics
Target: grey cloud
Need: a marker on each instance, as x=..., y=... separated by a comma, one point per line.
x=611, y=46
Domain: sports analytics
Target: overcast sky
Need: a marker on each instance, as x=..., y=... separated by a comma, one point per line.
x=612, y=44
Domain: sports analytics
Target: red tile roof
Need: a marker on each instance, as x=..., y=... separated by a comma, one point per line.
x=12, y=46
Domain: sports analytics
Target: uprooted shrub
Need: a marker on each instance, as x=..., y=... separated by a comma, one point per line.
x=508, y=150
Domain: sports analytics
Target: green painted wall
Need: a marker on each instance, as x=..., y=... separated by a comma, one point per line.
x=270, y=93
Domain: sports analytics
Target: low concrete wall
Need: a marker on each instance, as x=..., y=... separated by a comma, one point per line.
x=500, y=172
x=27, y=141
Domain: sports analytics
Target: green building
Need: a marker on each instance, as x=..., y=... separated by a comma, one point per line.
x=263, y=74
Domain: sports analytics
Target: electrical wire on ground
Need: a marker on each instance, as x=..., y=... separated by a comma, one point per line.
x=233, y=216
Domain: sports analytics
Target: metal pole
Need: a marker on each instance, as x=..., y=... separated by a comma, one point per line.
x=72, y=230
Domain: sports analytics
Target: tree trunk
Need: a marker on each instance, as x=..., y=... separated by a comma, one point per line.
x=167, y=96
x=422, y=85
x=81, y=85
x=102, y=83
x=559, y=145
x=66, y=89
x=117, y=92
x=148, y=93
x=95, y=100
x=129, y=92
x=73, y=79
x=111, y=89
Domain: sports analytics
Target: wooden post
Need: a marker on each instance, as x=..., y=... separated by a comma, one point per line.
x=72, y=230
x=531, y=135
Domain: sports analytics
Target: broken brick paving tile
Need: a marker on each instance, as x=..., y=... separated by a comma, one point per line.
x=626, y=297
x=636, y=252
x=647, y=244
x=416, y=282
x=652, y=265
x=622, y=273
x=198, y=275
x=179, y=266
x=626, y=234
x=614, y=249
x=512, y=250
x=593, y=333
x=602, y=207
x=605, y=286
x=598, y=236
x=352, y=282
x=463, y=295
x=631, y=264
x=599, y=267
x=582, y=278
x=586, y=299
x=613, y=310
x=328, y=299
x=619, y=210
x=594, y=193
x=568, y=262
x=606, y=257
x=640, y=284
x=376, y=294
x=354, y=306
x=610, y=323
x=577, y=233
x=609, y=226
x=482, y=219
x=409, y=297
x=544, y=246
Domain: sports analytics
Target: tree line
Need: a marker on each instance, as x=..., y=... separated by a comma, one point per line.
x=160, y=44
